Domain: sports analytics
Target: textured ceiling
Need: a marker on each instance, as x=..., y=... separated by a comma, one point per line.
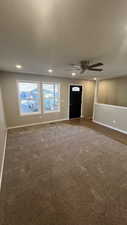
x=42, y=34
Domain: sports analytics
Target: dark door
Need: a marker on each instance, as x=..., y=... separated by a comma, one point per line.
x=75, y=101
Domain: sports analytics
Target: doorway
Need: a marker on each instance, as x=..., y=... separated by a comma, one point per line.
x=75, y=101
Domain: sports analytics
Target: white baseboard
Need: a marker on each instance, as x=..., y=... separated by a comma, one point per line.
x=113, y=128
x=3, y=158
x=34, y=124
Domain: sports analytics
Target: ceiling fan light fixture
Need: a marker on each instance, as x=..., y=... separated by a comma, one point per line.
x=85, y=65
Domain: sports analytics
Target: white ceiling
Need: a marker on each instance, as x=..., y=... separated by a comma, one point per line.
x=43, y=34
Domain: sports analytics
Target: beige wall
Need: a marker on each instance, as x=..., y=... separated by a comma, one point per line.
x=2, y=133
x=11, y=100
x=111, y=107
x=113, y=91
x=89, y=99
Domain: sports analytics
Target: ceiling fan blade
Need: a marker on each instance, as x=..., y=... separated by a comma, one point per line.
x=71, y=64
x=69, y=70
x=97, y=64
x=92, y=69
x=74, y=65
x=72, y=70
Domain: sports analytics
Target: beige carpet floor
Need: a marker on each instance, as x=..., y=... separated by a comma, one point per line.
x=68, y=173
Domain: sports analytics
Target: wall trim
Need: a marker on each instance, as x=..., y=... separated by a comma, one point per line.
x=113, y=128
x=113, y=106
x=39, y=123
x=3, y=159
x=95, y=98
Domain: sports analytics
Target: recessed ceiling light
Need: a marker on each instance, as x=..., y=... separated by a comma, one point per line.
x=95, y=78
x=73, y=74
x=18, y=66
x=50, y=70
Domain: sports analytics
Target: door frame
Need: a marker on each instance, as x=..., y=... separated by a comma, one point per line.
x=69, y=85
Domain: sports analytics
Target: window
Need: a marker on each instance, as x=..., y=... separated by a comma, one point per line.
x=51, y=97
x=29, y=98
x=76, y=89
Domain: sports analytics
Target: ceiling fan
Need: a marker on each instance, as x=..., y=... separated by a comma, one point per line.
x=85, y=65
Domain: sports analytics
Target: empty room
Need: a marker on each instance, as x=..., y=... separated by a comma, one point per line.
x=63, y=112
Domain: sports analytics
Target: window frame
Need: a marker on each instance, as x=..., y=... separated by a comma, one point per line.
x=19, y=100
x=43, y=98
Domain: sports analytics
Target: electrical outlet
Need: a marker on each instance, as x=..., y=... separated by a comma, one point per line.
x=114, y=121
